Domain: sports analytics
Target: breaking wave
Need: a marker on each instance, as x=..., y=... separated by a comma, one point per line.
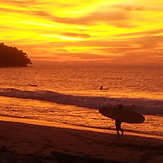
x=140, y=105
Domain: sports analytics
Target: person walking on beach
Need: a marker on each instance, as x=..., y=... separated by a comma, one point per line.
x=118, y=127
x=118, y=124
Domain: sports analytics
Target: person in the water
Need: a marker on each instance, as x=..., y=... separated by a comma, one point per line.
x=101, y=88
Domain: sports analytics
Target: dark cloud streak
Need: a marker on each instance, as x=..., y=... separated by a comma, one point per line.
x=151, y=32
x=19, y=2
x=76, y=35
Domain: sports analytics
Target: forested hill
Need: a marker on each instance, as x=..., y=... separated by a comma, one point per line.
x=12, y=57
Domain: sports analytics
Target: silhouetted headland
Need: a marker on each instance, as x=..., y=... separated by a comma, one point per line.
x=12, y=57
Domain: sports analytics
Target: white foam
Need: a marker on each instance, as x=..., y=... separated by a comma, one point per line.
x=141, y=105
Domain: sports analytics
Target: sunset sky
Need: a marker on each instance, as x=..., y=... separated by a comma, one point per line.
x=112, y=31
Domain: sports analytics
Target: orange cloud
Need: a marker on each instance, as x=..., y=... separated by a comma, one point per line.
x=76, y=35
x=148, y=33
x=89, y=19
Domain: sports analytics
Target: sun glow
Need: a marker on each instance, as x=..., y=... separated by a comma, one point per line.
x=96, y=28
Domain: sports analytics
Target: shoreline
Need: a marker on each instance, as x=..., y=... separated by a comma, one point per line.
x=57, y=124
x=33, y=137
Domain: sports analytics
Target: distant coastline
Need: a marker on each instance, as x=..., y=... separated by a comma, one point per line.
x=13, y=57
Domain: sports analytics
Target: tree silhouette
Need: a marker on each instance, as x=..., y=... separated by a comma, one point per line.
x=12, y=57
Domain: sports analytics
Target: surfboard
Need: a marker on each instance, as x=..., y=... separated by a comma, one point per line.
x=122, y=115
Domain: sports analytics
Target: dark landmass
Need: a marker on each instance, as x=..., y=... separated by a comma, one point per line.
x=12, y=57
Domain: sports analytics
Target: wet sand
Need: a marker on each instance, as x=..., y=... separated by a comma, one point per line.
x=33, y=141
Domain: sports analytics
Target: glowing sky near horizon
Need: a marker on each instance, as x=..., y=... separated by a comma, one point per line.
x=111, y=31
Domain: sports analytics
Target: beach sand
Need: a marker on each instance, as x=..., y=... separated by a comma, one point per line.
x=32, y=141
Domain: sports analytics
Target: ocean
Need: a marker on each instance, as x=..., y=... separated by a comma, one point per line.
x=69, y=93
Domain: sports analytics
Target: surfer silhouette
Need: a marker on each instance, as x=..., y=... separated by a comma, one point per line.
x=118, y=124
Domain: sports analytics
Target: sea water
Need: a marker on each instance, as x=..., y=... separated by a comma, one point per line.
x=69, y=93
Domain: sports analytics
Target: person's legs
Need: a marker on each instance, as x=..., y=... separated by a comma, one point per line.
x=121, y=132
x=117, y=132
